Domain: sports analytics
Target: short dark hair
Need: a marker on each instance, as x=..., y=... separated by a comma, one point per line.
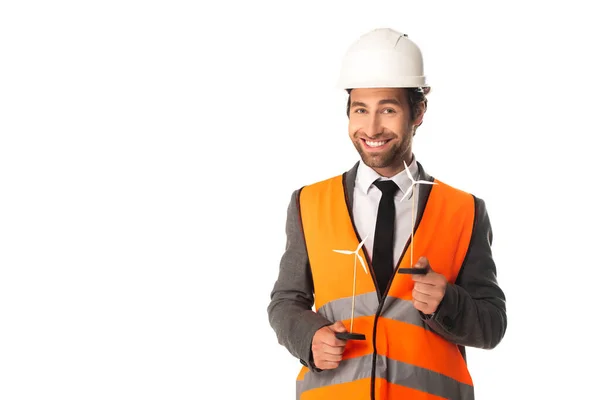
x=415, y=97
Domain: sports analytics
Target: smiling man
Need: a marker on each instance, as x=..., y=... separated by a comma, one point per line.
x=382, y=123
x=394, y=330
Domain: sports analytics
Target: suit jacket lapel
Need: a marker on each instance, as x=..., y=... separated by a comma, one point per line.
x=349, y=182
x=424, y=191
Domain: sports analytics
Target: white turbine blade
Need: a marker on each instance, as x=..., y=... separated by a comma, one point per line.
x=362, y=263
x=408, y=173
x=344, y=251
x=407, y=193
x=361, y=243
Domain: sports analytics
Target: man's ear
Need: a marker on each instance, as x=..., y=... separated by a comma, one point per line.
x=421, y=109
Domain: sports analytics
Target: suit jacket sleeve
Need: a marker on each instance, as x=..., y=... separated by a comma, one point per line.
x=290, y=309
x=473, y=310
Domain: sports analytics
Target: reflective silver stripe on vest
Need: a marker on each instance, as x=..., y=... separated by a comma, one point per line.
x=299, y=386
x=347, y=371
x=393, y=371
x=366, y=304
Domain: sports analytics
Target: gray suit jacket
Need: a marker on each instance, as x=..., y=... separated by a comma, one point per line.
x=472, y=312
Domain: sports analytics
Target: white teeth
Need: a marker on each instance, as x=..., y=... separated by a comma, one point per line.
x=374, y=144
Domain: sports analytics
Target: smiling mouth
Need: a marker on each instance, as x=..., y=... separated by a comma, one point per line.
x=375, y=144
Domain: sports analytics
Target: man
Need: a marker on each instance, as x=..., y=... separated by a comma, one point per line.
x=416, y=324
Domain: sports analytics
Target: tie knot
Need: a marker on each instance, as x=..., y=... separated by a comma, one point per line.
x=388, y=188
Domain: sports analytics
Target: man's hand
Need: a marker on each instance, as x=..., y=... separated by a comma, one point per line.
x=429, y=288
x=327, y=349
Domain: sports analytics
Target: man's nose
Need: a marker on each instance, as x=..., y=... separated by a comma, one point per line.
x=373, y=126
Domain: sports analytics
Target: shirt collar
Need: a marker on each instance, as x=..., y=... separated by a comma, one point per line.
x=366, y=176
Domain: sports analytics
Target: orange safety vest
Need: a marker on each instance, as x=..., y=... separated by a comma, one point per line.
x=401, y=358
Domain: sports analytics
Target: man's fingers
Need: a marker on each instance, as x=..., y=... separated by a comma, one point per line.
x=327, y=338
x=330, y=357
x=419, y=302
x=334, y=351
x=421, y=297
x=332, y=341
x=326, y=364
x=422, y=263
x=338, y=327
x=327, y=349
x=327, y=357
x=419, y=305
x=425, y=289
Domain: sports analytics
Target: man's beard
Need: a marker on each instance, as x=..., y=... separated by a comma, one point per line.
x=392, y=157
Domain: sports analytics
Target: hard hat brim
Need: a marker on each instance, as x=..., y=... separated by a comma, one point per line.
x=425, y=89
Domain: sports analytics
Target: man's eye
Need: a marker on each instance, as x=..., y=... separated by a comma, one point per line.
x=389, y=111
x=360, y=111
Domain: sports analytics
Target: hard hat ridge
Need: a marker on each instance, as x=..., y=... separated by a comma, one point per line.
x=383, y=58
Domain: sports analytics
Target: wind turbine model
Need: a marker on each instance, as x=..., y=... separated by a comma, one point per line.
x=412, y=270
x=350, y=335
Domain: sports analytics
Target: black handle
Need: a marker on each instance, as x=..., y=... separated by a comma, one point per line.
x=413, y=271
x=349, y=336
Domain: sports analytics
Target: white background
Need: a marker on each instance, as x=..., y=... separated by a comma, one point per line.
x=148, y=151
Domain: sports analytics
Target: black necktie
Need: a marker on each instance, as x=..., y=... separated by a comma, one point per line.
x=383, y=242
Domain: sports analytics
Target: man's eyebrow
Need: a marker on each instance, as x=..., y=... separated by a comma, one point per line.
x=358, y=104
x=390, y=101
x=381, y=102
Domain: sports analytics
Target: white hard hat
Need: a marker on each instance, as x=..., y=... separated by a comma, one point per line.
x=383, y=58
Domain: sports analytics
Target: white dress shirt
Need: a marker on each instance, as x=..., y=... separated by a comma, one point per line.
x=366, y=203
